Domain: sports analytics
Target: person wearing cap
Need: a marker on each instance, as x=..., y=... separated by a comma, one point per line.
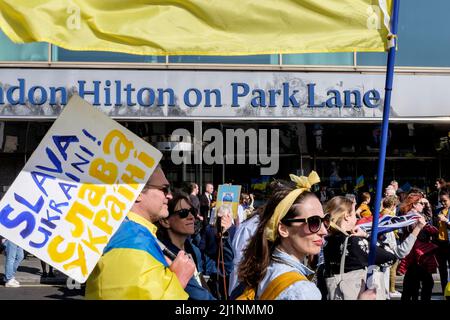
x=133, y=266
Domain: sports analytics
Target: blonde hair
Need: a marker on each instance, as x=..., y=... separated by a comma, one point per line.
x=337, y=207
x=390, y=201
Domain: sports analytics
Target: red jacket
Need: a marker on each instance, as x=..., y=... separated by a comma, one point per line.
x=422, y=253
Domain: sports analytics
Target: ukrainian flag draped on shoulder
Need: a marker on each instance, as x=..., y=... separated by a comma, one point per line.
x=200, y=27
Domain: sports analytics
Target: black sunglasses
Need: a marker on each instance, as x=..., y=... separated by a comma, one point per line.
x=314, y=222
x=183, y=213
x=164, y=189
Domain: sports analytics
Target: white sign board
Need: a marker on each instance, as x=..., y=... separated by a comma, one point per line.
x=76, y=189
x=224, y=95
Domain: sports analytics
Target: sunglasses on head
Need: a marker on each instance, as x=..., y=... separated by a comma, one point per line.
x=164, y=189
x=314, y=222
x=183, y=213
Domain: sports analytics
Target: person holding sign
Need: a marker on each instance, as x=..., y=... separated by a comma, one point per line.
x=133, y=265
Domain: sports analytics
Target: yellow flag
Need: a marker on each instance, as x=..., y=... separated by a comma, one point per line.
x=200, y=27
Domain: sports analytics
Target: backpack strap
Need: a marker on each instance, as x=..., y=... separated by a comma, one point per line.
x=280, y=283
x=344, y=253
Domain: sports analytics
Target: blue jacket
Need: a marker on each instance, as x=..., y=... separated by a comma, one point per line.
x=209, y=247
x=193, y=288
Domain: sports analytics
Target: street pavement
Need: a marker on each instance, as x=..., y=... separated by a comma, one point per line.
x=35, y=287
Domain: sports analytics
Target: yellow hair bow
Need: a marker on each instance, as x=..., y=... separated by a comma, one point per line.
x=303, y=184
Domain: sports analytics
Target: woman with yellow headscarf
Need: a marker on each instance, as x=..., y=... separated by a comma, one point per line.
x=292, y=227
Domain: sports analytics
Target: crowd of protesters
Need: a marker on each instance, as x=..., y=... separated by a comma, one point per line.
x=297, y=245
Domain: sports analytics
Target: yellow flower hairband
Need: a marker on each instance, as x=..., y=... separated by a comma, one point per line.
x=303, y=184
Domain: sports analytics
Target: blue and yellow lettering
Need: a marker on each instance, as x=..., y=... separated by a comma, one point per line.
x=46, y=234
x=65, y=187
x=36, y=208
x=93, y=241
x=55, y=206
x=87, y=151
x=71, y=176
x=25, y=216
x=80, y=262
x=48, y=222
x=54, y=159
x=63, y=142
x=77, y=165
x=40, y=182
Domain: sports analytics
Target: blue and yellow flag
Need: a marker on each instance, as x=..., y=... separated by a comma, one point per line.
x=359, y=182
x=200, y=27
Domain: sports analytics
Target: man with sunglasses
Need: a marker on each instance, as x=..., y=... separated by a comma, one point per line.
x=133, y=266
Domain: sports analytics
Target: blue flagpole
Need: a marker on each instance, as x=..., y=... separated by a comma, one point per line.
x=383, y=143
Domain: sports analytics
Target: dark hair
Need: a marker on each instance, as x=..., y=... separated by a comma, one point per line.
x=176, y=198
x=257, y=255
x=444, y=191
x=191, y=187
x=365, y=196
x=243, y=196
x=440, y=180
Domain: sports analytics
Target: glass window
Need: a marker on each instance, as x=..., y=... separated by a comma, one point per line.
x=10, y=51
x=340, y=58
x=424, y=36
x=255, y=59
x=372, y=59
x=60, y=54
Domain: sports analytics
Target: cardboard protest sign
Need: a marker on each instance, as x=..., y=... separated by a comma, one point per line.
x=76, y=189
x=228, y=195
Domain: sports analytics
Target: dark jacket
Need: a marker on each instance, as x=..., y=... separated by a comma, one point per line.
x=205, y=207
x=358, y=254
x=210, y=246
x=193, y=288
x=195, y=202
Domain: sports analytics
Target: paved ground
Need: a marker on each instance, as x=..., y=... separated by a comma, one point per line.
x=30, y=273
x=40, y=292
x=35, y=287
